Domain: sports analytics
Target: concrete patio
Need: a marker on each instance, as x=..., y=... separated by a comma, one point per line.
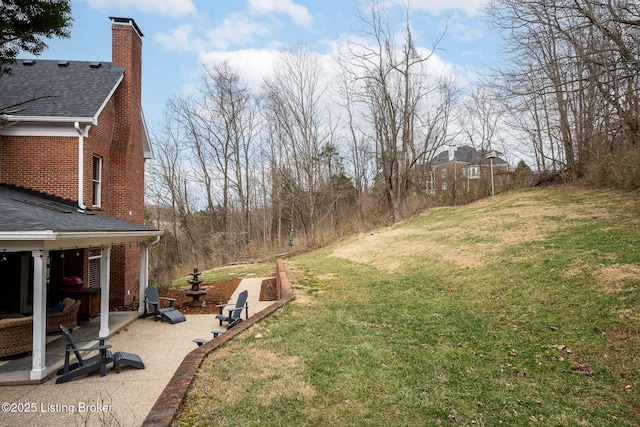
x=116, y=399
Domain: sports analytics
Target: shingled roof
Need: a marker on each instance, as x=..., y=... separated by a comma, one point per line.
x=465, y=154
x=58, y=89
x=24, y=210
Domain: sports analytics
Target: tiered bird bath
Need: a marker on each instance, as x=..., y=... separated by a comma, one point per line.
x=195, y=292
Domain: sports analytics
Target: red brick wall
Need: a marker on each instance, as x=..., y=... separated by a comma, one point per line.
x=125, y=188
x=125, y=276
x=50, y=164
x=127, y=158
x=98, y=144
x=47, y=164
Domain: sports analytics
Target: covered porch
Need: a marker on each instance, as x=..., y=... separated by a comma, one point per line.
x=16, y=370
x=36, y=284
x=36, y=230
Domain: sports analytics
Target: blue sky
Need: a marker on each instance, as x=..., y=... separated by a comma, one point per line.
x=182, y=35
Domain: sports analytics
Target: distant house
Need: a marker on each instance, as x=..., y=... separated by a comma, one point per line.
x=73, y=146
x=464, y=169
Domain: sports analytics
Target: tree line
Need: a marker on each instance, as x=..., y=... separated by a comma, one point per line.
x=312, y=156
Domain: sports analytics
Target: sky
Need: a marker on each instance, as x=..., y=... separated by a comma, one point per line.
x=180, y=36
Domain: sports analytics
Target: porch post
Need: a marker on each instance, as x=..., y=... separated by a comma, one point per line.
x=38, y=368
x=105, y=284
x=144, y=274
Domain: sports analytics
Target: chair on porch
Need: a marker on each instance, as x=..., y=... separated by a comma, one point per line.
x=236, y=311
x=97, y=362
x=152, y=307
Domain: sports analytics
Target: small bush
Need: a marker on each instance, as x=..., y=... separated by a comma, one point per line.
x=618, y=170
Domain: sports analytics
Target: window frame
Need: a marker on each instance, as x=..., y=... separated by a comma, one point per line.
x=96, y=180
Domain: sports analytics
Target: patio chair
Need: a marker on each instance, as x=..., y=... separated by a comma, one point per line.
x=217, y=332
x=236, y=312
x=152, y=307
x=96, y=362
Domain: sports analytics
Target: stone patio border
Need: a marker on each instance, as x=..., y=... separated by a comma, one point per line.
x=166, y=407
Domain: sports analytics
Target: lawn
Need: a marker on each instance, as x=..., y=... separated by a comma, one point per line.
x=519, y=312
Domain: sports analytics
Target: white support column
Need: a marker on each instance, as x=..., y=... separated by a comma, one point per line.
x=38, y=368
x=144, y=274
x=105, y=285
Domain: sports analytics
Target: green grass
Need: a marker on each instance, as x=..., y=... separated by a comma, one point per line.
x=544, y=330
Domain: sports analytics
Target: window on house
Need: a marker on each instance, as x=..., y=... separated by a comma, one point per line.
x=474, y=172
x=95, y=260
x=444, y=186
x=97, y=181
x=444, y=173
x=431, y=183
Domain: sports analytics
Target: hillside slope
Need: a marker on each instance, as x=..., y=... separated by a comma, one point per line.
x=522, y=311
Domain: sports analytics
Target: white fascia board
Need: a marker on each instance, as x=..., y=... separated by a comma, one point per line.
x=88, y=239
x=47, y=126
x=117, y=235
x=50, y=240
x=106, y=100
x=52, y=235
x=27, y=235
x=146, y=141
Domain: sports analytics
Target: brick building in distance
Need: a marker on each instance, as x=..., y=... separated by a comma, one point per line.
x=465, y=170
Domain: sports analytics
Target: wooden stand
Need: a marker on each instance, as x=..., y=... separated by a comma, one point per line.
x=90, y=302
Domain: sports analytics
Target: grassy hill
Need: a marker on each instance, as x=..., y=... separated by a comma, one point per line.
x=523, y=311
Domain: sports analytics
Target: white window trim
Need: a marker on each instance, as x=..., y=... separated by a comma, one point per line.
x=95, y=256
x=97, y=182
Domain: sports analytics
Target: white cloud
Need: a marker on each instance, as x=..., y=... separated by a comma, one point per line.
x=253, y=64
x=179, y=39
x=298, y=13
x=470, y=7
x=236, y=29
x=172, y=8
x=465, y=33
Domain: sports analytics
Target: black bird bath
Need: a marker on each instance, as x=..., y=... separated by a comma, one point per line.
x=195, y=292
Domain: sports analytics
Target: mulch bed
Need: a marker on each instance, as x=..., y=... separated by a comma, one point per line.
x=219, y=293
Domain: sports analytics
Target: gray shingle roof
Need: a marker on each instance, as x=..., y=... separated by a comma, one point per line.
x=466, y=154
x=22, y=210
x=76, y=89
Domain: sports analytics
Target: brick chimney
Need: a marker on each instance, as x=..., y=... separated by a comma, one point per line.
x=125, y=183
x=127, y=173
x=126, y=51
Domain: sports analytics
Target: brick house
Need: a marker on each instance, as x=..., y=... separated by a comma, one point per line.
x=464, y=170
x=73, y=146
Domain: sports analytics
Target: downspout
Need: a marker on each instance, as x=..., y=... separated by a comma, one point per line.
x=154, y=242
x=81, y=204
x=144, y=272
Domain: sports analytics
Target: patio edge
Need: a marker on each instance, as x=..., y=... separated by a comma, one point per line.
x=165, y=409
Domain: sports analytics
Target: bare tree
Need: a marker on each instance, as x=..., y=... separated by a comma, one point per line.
x=233, y=124
x=399, y=99
x=294, y=100
x=167, y=190
x=579, y=59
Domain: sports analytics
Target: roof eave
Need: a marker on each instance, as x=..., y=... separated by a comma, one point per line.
x=49, y=119
x=51, y=240
x=66, y=235
x=146, y=141
x=109, y=96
